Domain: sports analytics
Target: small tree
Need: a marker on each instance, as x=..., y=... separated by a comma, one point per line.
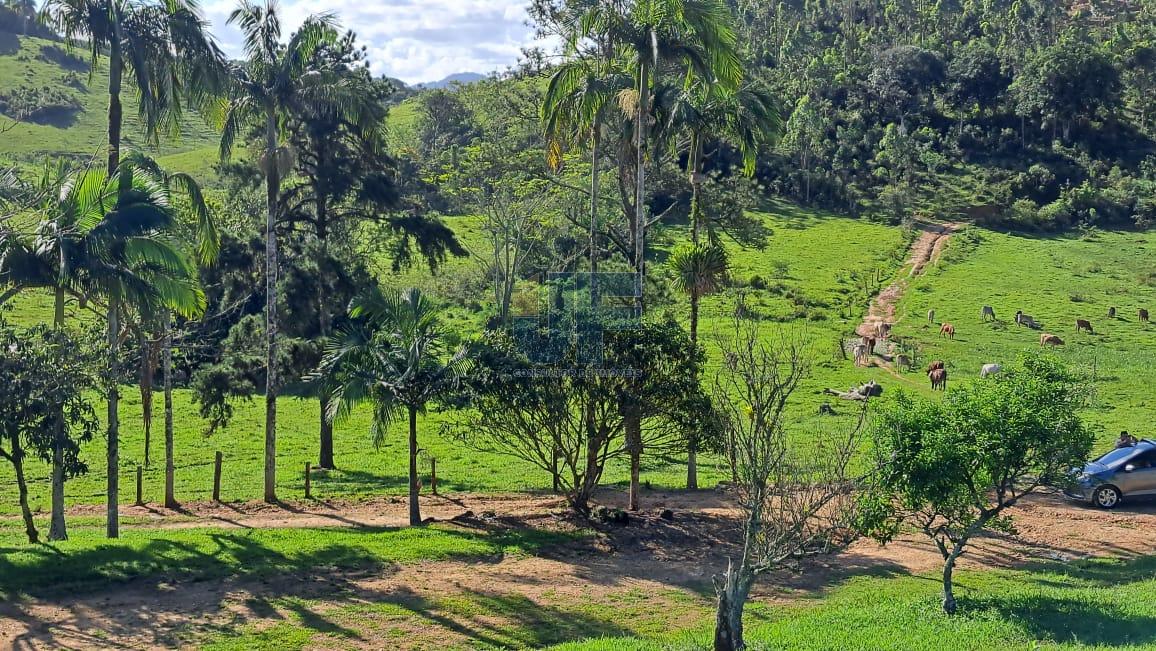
x=953, y=469
x=392, y=357
x=573, y=414
x=44, y=376
x=796, y=500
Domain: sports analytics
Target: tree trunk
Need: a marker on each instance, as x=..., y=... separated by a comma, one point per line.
x=115, y=112
x=112, y=525
x=414, y=507
x=949, y=604
x=634, y=446
x=57, y=529
x=147, y=366
x=695, y=163
x=170, y=468
x=583, y=491
x=640, y=189
x=272, y=187
x=115, y=117
x=594, y=190
x=17, y=460
x=325, y=453
x=732, y=592
x=692, y=439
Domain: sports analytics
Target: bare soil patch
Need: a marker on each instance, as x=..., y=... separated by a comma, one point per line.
x=925, y=250
x=669, y=563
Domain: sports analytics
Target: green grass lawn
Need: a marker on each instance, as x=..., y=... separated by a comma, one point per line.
x=1056, y=280
x=1084, y=605
x=362, y=470
x=88, y=562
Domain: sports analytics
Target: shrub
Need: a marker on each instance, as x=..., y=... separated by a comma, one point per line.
x=38, y=105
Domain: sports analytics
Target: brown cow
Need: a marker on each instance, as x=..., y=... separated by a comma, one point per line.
x=1144, y=315
x=1084, y=325
x=947, y=330
x=936, y=365
x=938, y=379
x=1050, y=340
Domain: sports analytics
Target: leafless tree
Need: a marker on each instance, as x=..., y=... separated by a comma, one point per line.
x=513, y=225
x=796, y=496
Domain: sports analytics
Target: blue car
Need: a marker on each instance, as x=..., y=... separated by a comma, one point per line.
x=1122, y=473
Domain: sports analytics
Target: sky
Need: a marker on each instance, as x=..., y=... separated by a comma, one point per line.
x=412, y=40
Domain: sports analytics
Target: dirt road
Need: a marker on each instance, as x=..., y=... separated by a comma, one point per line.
x=661, y=559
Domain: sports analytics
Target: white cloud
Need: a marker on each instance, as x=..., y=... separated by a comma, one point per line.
x=413, y=40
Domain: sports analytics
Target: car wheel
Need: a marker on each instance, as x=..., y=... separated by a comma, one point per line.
x=1106, y=497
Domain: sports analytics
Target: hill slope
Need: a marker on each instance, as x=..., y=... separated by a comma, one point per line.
x=63, y=105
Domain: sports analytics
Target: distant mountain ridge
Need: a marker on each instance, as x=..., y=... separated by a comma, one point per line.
x=456, y=78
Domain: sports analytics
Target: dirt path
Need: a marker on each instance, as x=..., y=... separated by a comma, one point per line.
x=670, y=562
x=926, y=250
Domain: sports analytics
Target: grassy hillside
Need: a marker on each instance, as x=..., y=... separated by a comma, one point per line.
x=1056, y=280
x=36, y=63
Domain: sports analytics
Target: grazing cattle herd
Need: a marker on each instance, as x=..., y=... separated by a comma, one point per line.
x=864, y=348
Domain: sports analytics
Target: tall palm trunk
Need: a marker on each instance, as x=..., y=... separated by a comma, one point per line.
x=692, y=439
x=272, y=187
x=115, y=112
x=115, y=117
x=57, y=530
x=325, y=455
x=695, y=164
x=414, y=507
x=112, y=524
x=167, y=372
x=640, y=187
x=147, y=367
x=594, y=244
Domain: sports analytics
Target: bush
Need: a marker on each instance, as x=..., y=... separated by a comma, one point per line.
x=757, y=282
x=40, y=105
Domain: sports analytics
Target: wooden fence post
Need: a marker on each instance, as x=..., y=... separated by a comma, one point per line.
x=433, y=470
x=217, y=478
x=308, y=481
x=139, y=488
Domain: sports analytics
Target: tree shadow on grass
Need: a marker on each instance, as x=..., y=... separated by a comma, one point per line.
x=505, y=620
x=1083, y=621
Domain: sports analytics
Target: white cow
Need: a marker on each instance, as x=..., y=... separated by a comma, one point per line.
x=990, y=369
x=860, y=353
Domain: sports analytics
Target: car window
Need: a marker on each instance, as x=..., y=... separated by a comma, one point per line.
x=1116, y=456
x=1146, y=460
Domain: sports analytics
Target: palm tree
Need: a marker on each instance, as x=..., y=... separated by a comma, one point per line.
x=265, y=87
x=575, y=106
x=394, y=358
x=699, y=270
x=105, y=237
x=687, y=35
x=162, y=44
x=202, y=231
x=747, y=118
